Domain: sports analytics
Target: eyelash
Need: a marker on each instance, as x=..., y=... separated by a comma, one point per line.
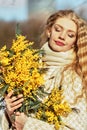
x=71, y=35
x=59, y=30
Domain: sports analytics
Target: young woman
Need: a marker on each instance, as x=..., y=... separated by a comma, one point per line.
x=65, y=45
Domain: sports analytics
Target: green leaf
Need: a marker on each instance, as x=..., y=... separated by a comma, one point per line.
x=3, y=90
x=11, y=53
x=59, y=118
x=42, y=70
x=35, y=107
x=1, y=80
x=18, y=30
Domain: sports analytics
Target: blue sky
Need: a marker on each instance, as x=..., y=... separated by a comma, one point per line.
x=13, y=10
x=18, y=10
x=8, y=14
x=70, y=4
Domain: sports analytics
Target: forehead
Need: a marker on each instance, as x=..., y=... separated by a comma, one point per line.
x=66, y=23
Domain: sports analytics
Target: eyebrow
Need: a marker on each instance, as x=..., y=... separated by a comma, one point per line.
x=63, y=28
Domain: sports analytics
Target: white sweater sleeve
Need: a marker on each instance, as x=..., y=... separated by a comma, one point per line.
x=31, y=124
x=35, y=124
x=5, y=123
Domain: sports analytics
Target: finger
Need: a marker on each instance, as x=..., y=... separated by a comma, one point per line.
x=10, y=110
x=13, y=126
x=9, y=101
x=14, y=98
x=20, y=96
x=15, y=103
x=12, y=106
x=17, y=113
x=16, y=107
x=9, y=94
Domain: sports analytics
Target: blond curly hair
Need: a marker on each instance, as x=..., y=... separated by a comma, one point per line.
x=81, y=42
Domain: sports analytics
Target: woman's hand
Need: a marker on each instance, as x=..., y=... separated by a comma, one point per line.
x=20, y=119
x=12, y=103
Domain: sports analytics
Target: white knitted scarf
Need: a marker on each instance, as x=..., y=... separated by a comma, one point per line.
x=53, y=58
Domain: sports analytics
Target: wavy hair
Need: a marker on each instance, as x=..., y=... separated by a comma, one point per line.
x=81, y=42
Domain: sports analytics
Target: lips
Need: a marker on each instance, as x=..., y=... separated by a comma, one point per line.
x=59, y=43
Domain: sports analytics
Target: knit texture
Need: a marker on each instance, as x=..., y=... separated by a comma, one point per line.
x=72, y=85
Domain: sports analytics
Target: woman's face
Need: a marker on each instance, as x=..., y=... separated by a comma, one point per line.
x=62, y=35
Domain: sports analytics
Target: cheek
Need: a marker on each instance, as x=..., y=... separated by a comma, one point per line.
x=69, y=46
x=51, y=39
x=53, y=34
x=71, y=41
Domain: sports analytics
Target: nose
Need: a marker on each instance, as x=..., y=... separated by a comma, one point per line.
x=62, y=35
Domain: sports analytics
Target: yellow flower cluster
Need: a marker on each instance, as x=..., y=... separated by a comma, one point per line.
x=20, y=68
x=53, y=108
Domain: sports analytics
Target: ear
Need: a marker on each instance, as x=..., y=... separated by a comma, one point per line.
x=48, y=32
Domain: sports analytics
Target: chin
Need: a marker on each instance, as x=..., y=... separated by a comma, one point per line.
x=56, y=50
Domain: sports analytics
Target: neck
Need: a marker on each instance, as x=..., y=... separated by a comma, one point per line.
x=58, y=58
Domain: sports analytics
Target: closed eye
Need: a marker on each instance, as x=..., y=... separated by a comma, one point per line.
x=57, y=28
x=71, y=35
